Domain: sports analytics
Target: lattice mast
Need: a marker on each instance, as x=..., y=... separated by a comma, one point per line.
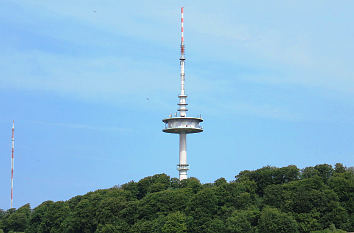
x=12, y=163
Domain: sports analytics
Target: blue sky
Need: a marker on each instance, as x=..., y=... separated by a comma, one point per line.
x=89, y=82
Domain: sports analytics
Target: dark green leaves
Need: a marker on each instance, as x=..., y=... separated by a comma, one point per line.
x=270, y=199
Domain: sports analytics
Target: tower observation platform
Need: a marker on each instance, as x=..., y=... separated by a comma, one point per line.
x=181, y=124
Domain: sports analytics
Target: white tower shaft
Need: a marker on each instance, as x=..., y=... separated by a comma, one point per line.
x=183, y=166
x=12, y=163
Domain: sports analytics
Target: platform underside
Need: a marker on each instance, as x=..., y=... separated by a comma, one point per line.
x=186, y=130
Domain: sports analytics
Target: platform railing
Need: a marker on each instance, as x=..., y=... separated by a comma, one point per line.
x=182, y=167
x=185, y=126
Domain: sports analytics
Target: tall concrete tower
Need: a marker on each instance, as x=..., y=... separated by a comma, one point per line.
x=180, y=123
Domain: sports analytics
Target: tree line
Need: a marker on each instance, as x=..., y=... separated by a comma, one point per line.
x=317, y=199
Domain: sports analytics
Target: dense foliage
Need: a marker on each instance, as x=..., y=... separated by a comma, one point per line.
x=317, y=199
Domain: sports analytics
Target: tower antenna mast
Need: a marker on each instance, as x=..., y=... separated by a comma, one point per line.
x=182, y=97
x=182, y=38
x=12, y=163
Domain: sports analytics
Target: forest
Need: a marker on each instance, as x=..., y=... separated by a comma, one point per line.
x=318, y=199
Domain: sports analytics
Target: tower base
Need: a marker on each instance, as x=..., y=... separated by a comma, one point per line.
x=183, y=168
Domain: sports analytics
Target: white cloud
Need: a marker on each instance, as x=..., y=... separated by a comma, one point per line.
x=83, y=126
x=83, y=76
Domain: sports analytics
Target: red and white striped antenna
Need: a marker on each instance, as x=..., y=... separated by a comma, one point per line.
x=182, y=97
x=182, y=38
x=12, y=163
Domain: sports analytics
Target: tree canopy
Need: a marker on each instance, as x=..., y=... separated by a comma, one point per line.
x=317, y=199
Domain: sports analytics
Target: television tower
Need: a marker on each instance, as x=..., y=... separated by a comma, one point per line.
x=12, y=163
x=181, y=124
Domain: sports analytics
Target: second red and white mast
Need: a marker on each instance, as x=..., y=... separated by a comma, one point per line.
x=12, y=162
